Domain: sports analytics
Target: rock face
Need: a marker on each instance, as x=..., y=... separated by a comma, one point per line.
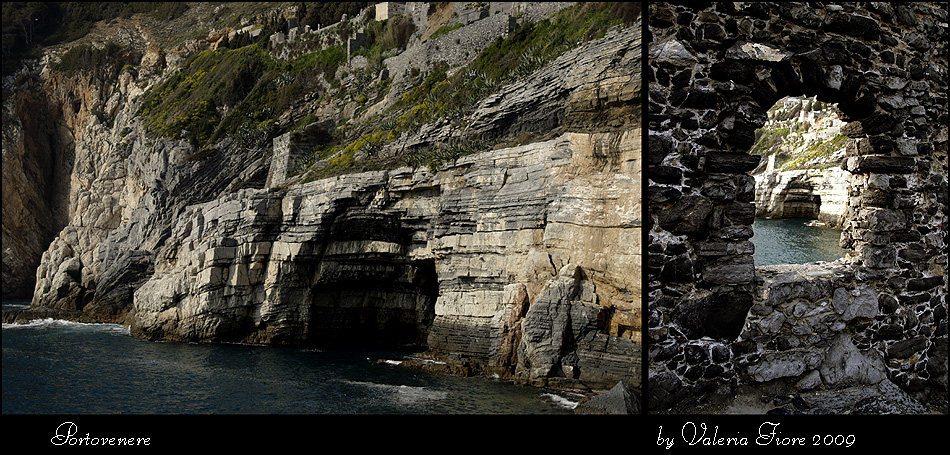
x=30, y=216
x=715, y=70
x=800, y=175
x=497, y=259
x=521, y=262
x=813, y=193
x=453, y=48
x=618, y=400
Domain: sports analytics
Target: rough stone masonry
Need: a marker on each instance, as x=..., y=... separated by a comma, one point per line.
x=716, y=322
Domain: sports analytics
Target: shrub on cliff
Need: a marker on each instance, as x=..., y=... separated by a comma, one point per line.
x=103, y=64
x=208, y=83
x=219, y=93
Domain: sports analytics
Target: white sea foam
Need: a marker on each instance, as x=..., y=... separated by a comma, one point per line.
x=561, y=401
x=427, y=361
x=50, y=323
x=414, y=359
x=405, y=394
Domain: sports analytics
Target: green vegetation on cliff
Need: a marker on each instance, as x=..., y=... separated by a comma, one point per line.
x=445, y=29
x=815, y=155
x=326, y=13
x=190, y=103
x=233, y=92
x=104, y=63
x=241, y=90
x=802, y=133
x=441, y=97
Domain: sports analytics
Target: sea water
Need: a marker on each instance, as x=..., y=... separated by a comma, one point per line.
x=794, y=241
x=60, y=367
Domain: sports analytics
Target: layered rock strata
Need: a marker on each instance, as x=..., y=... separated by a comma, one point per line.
x=714, y=72
x=499, y=262
x=521, y=262
x=821, y=194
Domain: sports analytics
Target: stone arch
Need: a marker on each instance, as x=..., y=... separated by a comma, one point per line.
x=714, y=71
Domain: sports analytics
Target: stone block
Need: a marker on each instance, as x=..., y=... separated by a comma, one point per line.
x=884, y=220
x=880, y=164
x=757, y=52
x=219, y=255
x=846, y=365
x=688, y=216
x=878, y=256
x=729, y=270
x=731, y=162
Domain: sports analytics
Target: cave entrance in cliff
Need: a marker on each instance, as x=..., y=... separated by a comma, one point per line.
x=802, y=148
x=374, y=304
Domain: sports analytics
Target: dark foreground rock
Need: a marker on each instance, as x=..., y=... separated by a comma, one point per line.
x=621, y=399
x=884, y=398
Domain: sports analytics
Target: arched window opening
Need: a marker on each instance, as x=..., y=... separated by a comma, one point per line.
x=801, y=188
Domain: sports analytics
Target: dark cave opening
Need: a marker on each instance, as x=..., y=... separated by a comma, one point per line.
x=374, y=304
x=800, y=201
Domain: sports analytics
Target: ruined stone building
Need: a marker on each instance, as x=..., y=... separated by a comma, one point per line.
x=717, y=322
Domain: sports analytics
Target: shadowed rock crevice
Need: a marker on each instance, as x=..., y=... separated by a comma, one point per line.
x=37, y=162
x=373, y=303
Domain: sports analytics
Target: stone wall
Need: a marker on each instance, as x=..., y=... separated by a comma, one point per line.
x=460, y=46
x=385, y=10
x=799, y=316
x=713, y=72
x=286, y=153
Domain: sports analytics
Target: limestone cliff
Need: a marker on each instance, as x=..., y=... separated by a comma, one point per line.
x=487, y=262
x=821, y=194
x=519, y=257
x=800, y=175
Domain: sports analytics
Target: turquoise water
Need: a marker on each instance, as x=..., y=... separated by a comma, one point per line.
x=794, y=241
x=58, y=367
